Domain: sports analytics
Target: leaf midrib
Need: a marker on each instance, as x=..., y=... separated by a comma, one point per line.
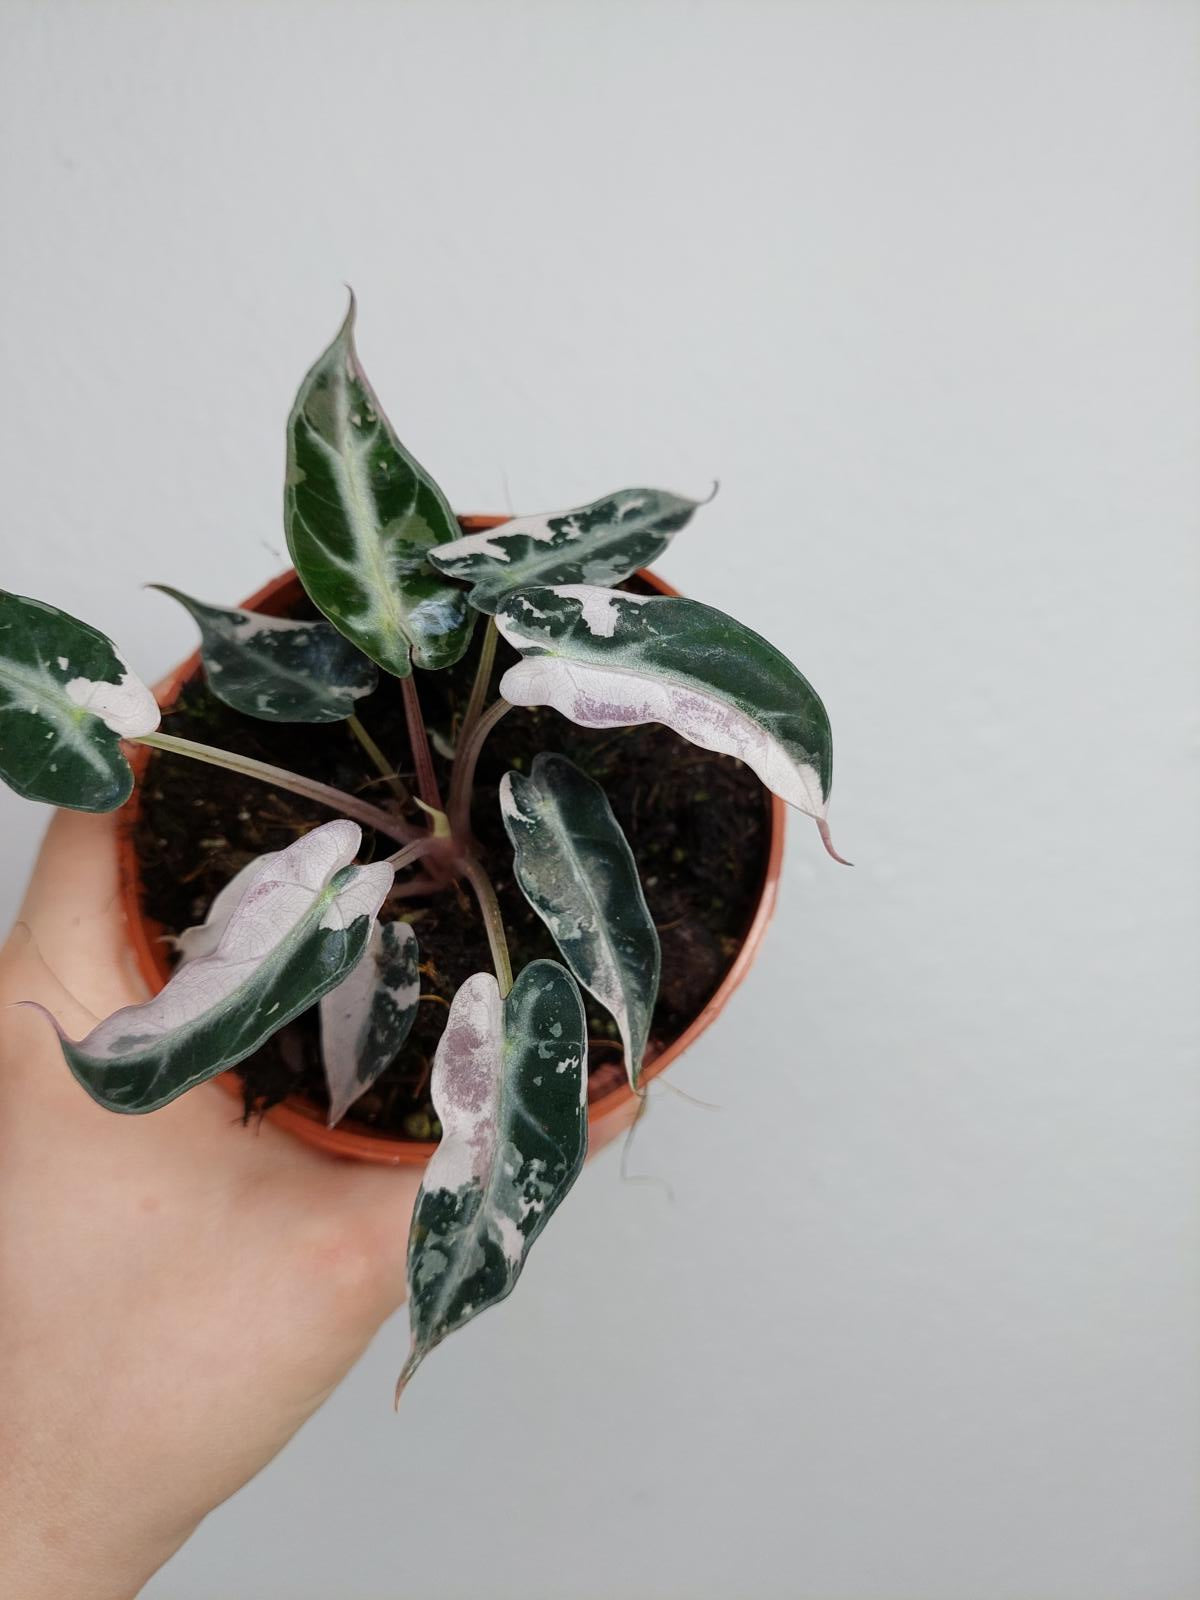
x=320, y=692
x=36, y=686
x=601, y=922
x=508, y=1103
x=268, y=969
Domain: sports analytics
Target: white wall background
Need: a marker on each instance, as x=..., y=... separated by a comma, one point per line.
x=917, y=281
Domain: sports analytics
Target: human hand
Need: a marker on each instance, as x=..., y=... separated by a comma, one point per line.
x=179, y=1292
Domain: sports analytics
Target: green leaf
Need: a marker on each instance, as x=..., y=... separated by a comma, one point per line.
x=299, y=928
x=67, y=699
x=510, y=1089
x=361, y=517
x=607, y=659
x=601, y=543
x=575, y=867
x=277, y=669
x=366, y=1019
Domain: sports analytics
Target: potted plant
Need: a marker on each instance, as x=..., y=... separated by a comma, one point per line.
x=332, y=904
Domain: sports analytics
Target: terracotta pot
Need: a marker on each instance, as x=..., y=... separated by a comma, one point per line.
x=607, y=1116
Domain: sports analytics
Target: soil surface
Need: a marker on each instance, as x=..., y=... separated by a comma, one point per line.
x=698, y=825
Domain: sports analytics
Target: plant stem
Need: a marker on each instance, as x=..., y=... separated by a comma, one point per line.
x=427, y=784
x=479, y=689
x=464, y=767
x=414, y=888
x=412, y=852
x=336, y=799
x=377, y=758
x=489, y=909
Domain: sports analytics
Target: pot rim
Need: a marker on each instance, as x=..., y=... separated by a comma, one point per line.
x=607, y=1115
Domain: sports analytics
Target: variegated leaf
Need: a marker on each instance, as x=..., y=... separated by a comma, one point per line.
x=204, y=938
x=601, y=543
x=361, y=518
x=277, y=669
x=67, y=699
x=574, y=866
x=510, y=1089
x=608, y=659
x=366, y=1019
x=300, y=927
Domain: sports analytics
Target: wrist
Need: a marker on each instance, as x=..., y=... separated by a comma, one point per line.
x=48, y=1553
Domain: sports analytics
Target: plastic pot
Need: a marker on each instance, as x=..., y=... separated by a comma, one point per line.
x=608, y=1115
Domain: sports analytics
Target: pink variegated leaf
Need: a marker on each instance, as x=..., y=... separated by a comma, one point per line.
x=607, y=659
x=510, y=1089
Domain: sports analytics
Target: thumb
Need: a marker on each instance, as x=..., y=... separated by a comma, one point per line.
x=72, y=923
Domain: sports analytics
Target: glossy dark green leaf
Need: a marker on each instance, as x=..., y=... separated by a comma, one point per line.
x=67, y=699
x=606, y=659
x=366, y=1019
x=299, y=928
x=510, y=1088
x=601, y=543
x=574, y=866
x=361, y=518
x=277, y=669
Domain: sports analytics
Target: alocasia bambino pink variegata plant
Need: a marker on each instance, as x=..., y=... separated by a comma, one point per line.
x=401, y=589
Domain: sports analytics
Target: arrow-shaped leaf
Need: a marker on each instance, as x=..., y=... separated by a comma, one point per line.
x=509, y=1086
x=204, y=938
x=67, y=699
x=298, y=930
x=576, y=869
x=277, y=669
x=366, y=1019
x=607, y=659
x=361, y=517
x=601, y=543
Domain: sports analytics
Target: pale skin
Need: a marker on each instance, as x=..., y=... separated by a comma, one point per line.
x=180, y=1293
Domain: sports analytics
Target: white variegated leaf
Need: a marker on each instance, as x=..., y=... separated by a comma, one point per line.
x=607, y=659
x=298, y=929
x=277, y=669
x=67, y=699
x=574, y=866
x=510, y=1089
x=204, y=938
x=600, y=543
x=366, y=1019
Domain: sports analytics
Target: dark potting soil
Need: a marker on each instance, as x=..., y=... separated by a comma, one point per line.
x=697, y=824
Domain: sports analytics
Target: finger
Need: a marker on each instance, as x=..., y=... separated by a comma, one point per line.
x=72, y=922
x=76, y=871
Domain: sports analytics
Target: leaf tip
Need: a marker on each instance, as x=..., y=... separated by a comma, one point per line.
x=711, y=495
x=406, y=1372
x=36, y=1005
x=827, y=841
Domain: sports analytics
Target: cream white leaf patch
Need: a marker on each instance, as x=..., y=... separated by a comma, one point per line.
x=600, y=543
x=606, y=659
x=510, y=1089
x=366, y=1019
x=204, y=938
x=574, y=866
x=67, y=699
x=299, y=927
